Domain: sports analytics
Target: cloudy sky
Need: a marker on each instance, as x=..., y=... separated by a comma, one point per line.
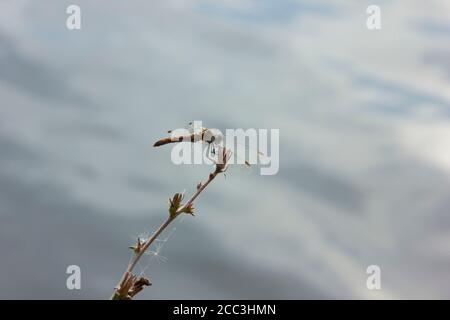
x=364, y=120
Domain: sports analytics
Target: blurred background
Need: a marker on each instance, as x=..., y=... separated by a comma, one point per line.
x=364, y=119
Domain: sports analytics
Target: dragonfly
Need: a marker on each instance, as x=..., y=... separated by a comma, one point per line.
x=213, y=138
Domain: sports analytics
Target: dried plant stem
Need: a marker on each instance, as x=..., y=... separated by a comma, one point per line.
x=201, y=187
x=117, y=294
x=128, y=281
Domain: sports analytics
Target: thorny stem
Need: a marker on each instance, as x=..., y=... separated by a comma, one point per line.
x=117, y=293
x=137, y=256
x=211, y=177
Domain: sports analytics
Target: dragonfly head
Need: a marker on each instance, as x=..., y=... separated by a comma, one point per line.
x=212, y=136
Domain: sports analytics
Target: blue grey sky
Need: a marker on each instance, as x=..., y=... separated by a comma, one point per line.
x=364, y=147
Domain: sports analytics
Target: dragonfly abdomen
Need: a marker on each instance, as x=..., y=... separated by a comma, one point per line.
x=163, y=141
